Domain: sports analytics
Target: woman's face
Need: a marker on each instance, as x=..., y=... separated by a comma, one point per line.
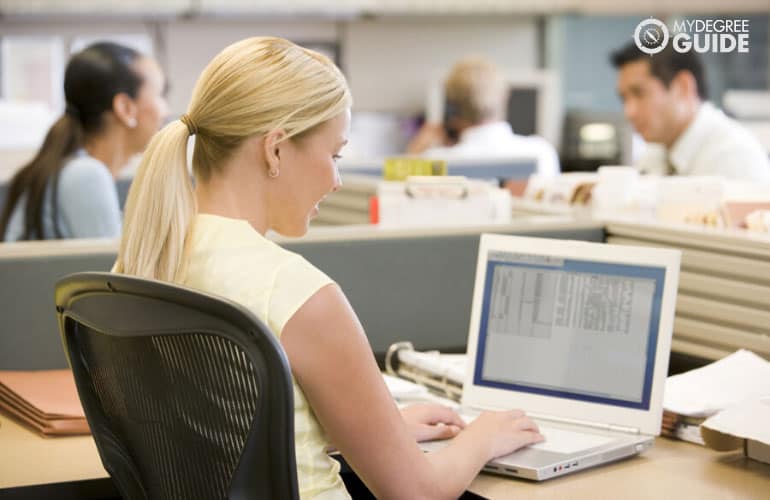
x=308, y=172
x=151, y=107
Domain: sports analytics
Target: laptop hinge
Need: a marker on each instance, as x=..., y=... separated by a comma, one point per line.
x=598, y=425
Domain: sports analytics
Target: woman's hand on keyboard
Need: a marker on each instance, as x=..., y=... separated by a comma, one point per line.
x=428, y=421
x=505, y=431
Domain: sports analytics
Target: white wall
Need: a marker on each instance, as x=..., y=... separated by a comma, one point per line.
x=192, y=44
x=390, y=62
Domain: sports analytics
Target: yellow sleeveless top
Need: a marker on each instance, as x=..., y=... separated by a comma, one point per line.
x=231, y=259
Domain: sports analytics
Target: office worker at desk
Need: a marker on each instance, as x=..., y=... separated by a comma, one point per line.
x=664, y=97
x=474, y=127
x=115, y=103
x=269, y=120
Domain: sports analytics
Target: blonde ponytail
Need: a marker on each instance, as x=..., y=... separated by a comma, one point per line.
x=252, y=87
x=159, y=209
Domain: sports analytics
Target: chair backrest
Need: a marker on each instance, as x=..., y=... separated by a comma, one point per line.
x=187, y=395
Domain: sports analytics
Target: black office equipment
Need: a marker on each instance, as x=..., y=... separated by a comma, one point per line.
x=187, y=395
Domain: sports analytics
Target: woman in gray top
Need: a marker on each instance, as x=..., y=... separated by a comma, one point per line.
x=115, y=103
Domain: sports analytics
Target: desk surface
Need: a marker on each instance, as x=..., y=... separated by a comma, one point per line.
x=26, y=458
x=669, y=469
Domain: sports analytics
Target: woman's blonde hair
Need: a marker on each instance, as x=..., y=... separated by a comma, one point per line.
x=477, y=90
x=252, y=87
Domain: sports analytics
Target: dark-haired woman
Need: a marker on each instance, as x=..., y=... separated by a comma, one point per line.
x=115, y=103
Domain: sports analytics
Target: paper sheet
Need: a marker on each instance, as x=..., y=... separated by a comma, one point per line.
x=739, y=377
x=403, y=389
x=748, y=420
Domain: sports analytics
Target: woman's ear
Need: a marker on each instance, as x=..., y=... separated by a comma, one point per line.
x=272, y=144
x=125, y=109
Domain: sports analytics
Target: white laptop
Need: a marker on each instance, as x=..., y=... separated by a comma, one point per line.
x=576, y=334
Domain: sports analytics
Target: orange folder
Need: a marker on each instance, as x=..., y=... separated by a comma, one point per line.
x=45, y=400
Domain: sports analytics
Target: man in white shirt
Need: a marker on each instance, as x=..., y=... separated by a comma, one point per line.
x=664, y=97
x=474, y=125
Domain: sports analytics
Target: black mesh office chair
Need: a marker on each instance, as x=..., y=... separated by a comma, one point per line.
x=187, y=395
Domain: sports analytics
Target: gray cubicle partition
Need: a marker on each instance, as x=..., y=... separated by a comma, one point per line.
x=414, y=287
x=29, y=338
x=417, y=288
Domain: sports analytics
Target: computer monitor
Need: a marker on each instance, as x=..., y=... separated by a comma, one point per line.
x=534, y=104
x=595, y=138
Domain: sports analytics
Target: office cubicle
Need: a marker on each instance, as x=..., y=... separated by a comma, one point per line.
x=404, y=284
x=28, y=333
x=415, y=284
x=418, y=286
x=723, y=300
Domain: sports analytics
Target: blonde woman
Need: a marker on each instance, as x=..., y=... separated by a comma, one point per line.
x=269, y=120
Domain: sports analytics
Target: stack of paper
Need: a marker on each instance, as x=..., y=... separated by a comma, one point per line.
x=692, y=397
x=47, y=401
x=682, y=427
x=743, y=425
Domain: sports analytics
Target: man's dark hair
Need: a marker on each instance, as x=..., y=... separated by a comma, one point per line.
x=665, y=64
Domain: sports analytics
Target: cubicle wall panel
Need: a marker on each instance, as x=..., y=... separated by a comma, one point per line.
x=713, y=262
x=418, y=288
x=720, y=337
x=723, y=301
x=749, y=319
x=717, y=240
x=730, y=290
x=29, y=335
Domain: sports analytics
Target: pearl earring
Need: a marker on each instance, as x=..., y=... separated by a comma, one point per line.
x=131, y=123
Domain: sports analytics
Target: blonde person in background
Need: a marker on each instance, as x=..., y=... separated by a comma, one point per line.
x=115, y=102
x=269, y=120
x=474, y=127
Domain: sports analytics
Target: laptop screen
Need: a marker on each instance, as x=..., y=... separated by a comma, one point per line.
x=569, y=328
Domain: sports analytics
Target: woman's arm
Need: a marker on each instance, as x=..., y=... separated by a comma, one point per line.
x=333, y=363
